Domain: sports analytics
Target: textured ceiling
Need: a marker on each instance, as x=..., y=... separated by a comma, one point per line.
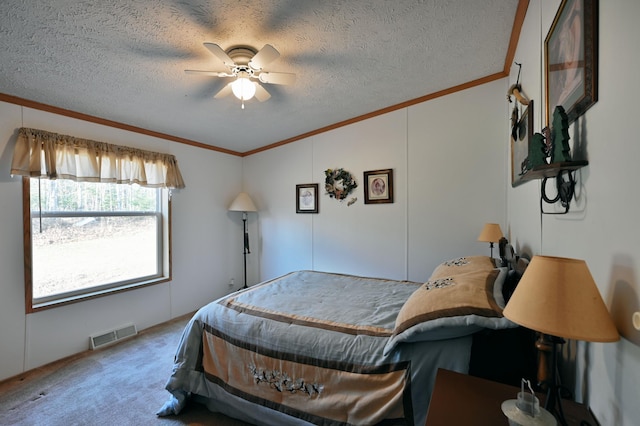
x=124, y=60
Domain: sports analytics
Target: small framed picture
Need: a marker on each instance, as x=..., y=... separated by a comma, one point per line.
x=378, y=186
x=307, y=198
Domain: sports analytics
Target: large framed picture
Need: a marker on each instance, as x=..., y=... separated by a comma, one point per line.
x=378, y=186
x=571, y=53
x=520, y=146
x=307, y=198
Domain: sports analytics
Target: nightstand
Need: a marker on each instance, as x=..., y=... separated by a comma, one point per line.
x=460, y=399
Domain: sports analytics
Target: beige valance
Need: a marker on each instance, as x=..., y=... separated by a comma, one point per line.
x=39, y=153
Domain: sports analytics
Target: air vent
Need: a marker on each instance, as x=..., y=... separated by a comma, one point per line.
x=112, y=336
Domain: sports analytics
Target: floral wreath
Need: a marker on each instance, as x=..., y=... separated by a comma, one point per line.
x=339, y=183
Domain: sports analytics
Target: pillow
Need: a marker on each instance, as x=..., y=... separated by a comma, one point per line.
x=450, y=306
x=462, y=265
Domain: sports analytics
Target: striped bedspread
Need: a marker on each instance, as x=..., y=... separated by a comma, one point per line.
x=307, y=348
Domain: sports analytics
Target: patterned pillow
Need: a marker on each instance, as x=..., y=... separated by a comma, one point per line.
x=462, y=265
x=451, y=306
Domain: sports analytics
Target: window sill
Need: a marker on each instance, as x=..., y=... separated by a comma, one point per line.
x=63, y=301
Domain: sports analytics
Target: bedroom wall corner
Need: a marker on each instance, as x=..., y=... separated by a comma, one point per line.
x=207, y=242
x=281, y=239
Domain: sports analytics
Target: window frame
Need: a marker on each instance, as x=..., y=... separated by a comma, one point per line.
x=48, y=302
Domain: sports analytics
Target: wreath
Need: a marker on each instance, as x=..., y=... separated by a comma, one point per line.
x=339, y=183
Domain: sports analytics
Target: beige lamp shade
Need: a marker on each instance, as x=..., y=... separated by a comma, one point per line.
x=243, y=203
x=558, y=296
x=491, y=233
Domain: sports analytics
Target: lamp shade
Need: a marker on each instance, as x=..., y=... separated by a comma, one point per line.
x=243, y=203
x=491, y=233
x=557, y=296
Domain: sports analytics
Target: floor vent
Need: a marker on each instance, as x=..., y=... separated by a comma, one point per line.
x=109, y=337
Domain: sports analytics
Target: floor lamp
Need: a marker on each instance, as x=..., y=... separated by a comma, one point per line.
x=558, y=297
x=244, y=204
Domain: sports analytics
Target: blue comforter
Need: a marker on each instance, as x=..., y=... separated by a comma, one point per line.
x=308, y=348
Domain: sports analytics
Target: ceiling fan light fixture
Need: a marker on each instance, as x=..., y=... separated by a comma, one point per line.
x=245, y=64
x=243, y=88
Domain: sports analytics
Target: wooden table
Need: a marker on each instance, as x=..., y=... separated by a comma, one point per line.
x=460, y=399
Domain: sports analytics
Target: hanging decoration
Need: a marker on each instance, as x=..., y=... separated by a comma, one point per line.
x=339, y=183
x=516, y=91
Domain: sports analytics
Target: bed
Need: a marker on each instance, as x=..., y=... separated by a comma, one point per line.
x=333, y=349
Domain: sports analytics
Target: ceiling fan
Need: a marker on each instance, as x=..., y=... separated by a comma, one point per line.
x=244, y=65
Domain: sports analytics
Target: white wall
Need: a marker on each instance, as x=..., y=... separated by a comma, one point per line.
x=456, y=175
x=207, y=248
x=448, y=159
x=601, y=227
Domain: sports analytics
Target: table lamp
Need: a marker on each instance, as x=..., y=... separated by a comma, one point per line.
x=491, y=233
x=244, y=204
x=558, y=297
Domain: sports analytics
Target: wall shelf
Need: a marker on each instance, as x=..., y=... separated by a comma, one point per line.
x=554, y=169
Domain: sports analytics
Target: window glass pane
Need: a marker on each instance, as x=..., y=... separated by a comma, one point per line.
x=78, y=253
x=88, y=237
x=62, y=195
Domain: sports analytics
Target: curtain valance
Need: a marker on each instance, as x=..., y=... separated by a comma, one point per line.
x=39, y=153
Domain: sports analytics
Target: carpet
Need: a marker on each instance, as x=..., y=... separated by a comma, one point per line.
x=122, y=384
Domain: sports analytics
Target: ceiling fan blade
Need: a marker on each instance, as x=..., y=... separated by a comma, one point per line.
x=277, y=77
x=220, y=54
x=225, y=91
x=264, y=56
x=261, y=93
x=212, y=73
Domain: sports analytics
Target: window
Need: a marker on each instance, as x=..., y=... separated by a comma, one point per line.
x=96, y=216
x=89, y=239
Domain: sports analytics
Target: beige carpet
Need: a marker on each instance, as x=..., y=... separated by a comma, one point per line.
x=121, y=384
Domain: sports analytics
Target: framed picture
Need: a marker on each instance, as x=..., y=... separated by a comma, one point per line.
x=307, y=198
x=520, y=146
x=571, y=57
x=378, y=186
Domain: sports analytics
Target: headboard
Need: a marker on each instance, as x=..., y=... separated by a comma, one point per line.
x=516, y=266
